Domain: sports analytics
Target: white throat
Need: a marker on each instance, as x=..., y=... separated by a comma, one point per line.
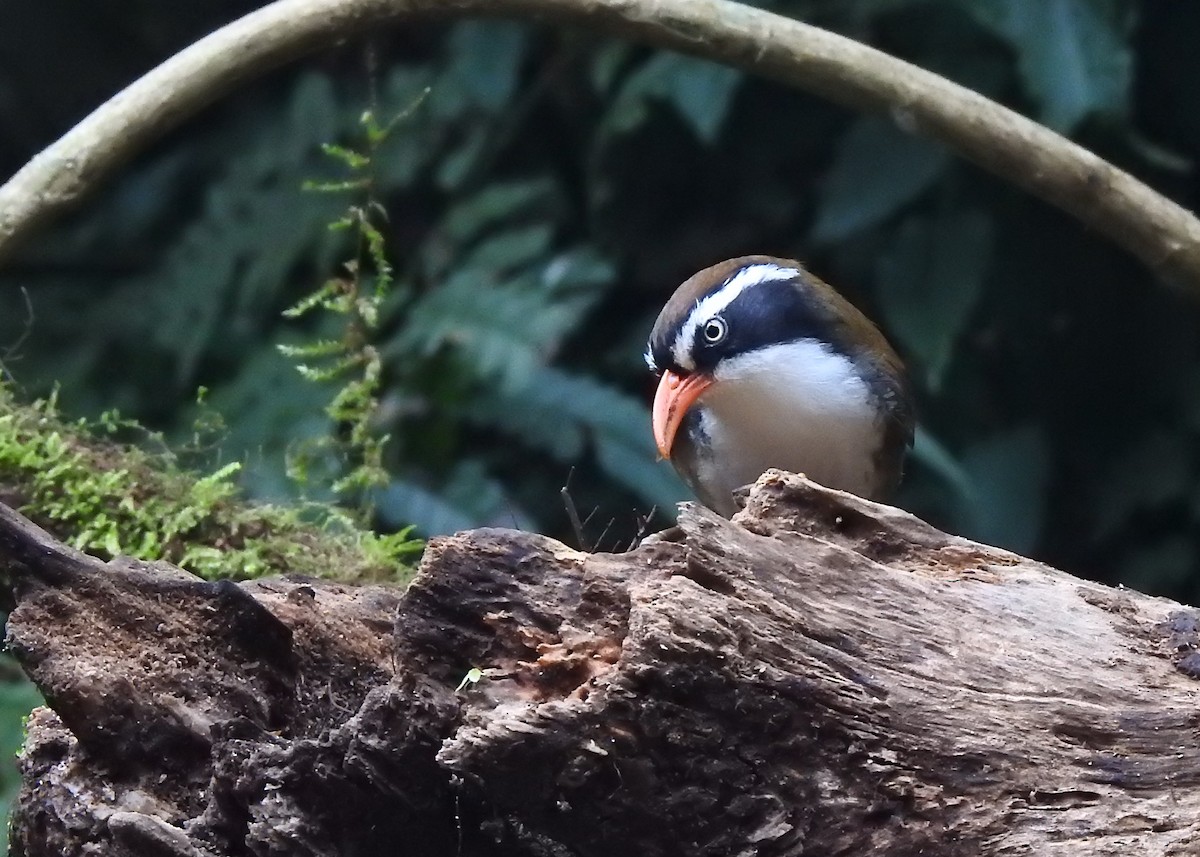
x=798, y=406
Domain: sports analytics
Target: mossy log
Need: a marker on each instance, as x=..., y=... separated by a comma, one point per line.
x=820, y=676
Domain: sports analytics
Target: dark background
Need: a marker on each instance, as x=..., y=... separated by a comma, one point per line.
x=548, y=195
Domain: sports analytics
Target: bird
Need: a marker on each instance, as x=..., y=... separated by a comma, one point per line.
x=762, y=365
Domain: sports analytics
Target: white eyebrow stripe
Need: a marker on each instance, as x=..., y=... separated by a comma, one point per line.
x=717, y=302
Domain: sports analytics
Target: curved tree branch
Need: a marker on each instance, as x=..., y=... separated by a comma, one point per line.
x=1164, y=235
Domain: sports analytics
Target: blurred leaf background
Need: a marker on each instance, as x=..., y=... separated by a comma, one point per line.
x=547, y=196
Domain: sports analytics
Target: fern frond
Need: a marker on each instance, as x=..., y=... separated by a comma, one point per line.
x=330, y=289
x=354, y=160
x=504, y=331
x=310, y=350
x=313, y=186
x=559, y=412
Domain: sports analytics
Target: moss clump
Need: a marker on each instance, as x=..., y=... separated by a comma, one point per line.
x=107, y=498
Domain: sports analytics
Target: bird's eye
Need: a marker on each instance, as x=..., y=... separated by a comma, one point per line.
x=715, y=330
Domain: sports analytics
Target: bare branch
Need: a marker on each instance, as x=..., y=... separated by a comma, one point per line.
x=1164, y=235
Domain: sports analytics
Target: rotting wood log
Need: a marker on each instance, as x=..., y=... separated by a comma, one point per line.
x=820, y=676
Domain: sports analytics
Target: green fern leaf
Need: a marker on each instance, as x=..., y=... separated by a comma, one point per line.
x=559, y=412
x=503, y=331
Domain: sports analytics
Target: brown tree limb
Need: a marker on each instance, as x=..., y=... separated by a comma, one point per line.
x=820, y=676
x=1165, y=236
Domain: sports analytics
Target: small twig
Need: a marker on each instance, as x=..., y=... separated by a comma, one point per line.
x=512, y=512
x=371, y=67
x=27, y=329
x=10, y=352
x=572, y=512
x=604, y=532
x=643, y=523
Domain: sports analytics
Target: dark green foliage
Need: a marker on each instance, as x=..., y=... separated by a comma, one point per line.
x=876, y=171
x=18, y=696
x=929, y=277
x=1073, y=56
x=548, y=195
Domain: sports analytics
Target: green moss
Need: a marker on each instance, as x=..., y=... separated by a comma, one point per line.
x=107, y=499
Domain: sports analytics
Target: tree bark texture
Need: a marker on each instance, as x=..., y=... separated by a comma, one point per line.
x=820, y=676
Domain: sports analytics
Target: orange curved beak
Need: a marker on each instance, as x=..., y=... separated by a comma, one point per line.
x=675, y=394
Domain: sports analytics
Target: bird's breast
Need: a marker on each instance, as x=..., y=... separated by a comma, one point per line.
x=798, y=406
